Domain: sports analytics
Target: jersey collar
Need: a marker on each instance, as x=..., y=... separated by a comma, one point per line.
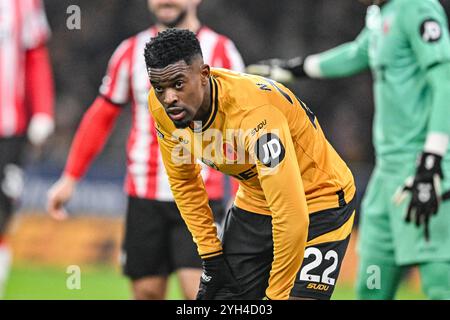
x=213, y=108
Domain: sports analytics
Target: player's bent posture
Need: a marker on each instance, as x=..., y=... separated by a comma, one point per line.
x=406, y=45
x=289, y=227
x=156, y=241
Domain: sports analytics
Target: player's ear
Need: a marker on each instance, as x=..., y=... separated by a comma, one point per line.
x=205, y=72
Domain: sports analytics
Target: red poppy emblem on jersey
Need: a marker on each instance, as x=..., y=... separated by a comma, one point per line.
x=229, y=152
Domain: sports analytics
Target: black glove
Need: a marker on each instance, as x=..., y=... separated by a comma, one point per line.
x=425, y=189
x=284, y=71
x=216, y=275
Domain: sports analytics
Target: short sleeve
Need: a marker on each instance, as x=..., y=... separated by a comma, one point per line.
x=116, y=83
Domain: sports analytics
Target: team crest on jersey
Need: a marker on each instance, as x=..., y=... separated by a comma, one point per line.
x=210, y=164
x=229, y=151
x=269, y=150
x=430, y=30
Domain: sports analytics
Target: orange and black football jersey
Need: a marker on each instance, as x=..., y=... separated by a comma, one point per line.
x=260, y=133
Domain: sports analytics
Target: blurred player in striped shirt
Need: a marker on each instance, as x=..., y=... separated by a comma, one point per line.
x=156, y=241
x=26, y=101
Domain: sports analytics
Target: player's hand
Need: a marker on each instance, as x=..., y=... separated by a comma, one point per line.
x=425, y=190
x=216, y=275
x=284, y=71
x=40, y=128
x=58, y=195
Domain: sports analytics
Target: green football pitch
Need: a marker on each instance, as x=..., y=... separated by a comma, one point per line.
x=31, y=282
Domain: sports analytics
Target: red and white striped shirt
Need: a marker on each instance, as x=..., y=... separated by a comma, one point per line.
x=127, y=80
x=23, y=27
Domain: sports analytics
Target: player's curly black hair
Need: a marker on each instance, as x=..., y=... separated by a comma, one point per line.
x=170, y=46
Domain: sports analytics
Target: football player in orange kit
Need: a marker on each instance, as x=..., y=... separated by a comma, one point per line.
x=288, y=230
x=156, y=242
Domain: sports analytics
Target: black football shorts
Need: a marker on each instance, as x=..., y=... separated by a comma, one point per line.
x=157, y=241
x=248, y=248
x=11, y=182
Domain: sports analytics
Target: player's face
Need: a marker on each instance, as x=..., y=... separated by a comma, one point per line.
x=181, y=89
x=170, y=13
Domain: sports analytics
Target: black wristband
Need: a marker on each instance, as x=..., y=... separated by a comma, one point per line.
x=295, y=65
x=430, y=164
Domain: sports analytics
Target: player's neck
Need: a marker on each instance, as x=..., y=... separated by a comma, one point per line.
x=190, y=22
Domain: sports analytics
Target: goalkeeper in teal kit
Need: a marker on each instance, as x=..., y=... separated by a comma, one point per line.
x=404, y=218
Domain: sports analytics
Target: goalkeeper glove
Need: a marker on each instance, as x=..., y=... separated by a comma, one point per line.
x=425, y=189
x=216, y=275
x=284, y=71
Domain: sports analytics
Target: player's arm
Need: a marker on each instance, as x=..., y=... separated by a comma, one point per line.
x=425, y=26
x=91, y=136
x=94, y=129
x=439, y=122
x=191, y=198
x=39, y=87
x=40, y=94
x=342, y=61
x=189, y=193
x=280, y=178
